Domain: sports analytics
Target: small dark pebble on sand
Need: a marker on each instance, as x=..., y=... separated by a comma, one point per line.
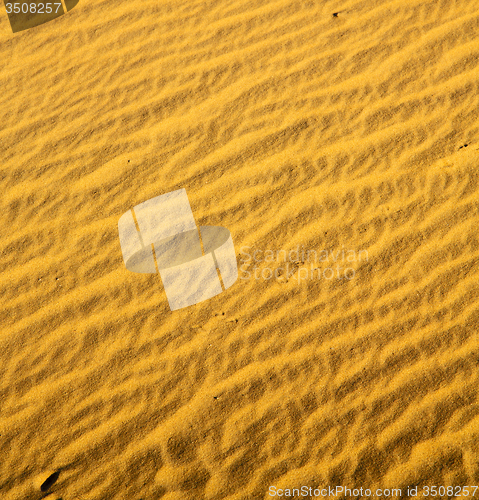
x=50, y=481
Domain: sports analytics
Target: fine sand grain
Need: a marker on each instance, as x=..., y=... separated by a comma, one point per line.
x=298, y=130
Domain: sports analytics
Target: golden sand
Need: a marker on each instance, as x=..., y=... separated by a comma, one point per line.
x=296, y=130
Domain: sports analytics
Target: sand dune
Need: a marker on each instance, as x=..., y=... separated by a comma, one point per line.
x=299, y=131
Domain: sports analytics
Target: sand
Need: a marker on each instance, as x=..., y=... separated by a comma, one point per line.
x=299, y=131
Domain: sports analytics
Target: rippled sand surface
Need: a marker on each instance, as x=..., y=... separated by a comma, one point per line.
x=301, y=126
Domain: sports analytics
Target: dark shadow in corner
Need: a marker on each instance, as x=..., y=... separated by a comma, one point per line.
x=31, y=13
x=70, y=4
